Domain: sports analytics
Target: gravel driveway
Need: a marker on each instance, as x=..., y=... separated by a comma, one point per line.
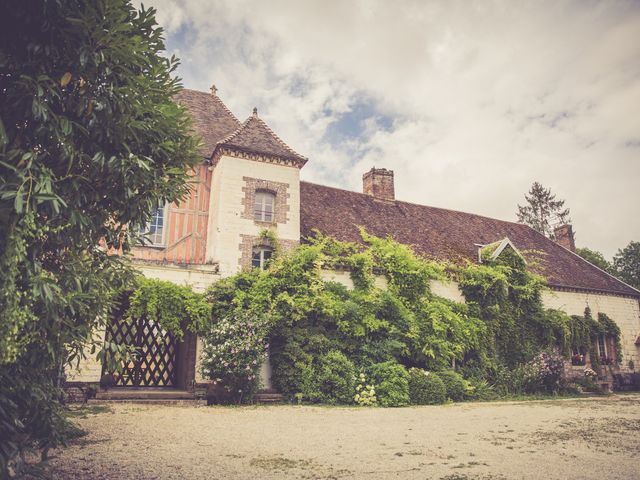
x=591, y=438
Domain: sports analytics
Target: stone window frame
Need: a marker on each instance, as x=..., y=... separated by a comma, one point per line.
x=263, y=261
x=281, y=205
x=249, y=242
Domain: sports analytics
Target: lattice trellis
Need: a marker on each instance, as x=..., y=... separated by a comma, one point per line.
x=154, y=363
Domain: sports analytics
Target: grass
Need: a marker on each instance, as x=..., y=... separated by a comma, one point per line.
x=85, y=410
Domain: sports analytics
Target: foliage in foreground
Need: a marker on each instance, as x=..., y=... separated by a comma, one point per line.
x=90, y=140
x=503, y=327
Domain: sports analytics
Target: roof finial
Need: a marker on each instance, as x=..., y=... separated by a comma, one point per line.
x=255, y=111
x=214, y=89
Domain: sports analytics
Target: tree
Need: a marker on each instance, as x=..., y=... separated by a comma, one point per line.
x=627, y=264
x=597, y=259
x=90, y=141
x=542, y=210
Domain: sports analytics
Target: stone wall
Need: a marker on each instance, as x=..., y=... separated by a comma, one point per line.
x=623, y=310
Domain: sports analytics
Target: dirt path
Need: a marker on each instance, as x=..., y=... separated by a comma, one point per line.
x=562, y=439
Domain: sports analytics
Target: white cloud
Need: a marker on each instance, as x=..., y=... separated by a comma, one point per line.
x=486, y=97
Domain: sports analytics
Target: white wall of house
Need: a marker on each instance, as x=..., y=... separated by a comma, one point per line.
x=198, y=277
x=343, y=277
x=226, y=220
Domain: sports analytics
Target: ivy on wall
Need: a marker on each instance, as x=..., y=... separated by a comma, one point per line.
x=503, y=323
x=175, y=307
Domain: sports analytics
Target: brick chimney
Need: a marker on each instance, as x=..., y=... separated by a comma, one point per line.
x=563, y=236
x=378, y=182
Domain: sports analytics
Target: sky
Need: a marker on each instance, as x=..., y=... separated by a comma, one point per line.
x=467, y=102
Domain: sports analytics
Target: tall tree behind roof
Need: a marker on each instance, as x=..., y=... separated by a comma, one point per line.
x=542, y=211
x=627, y=264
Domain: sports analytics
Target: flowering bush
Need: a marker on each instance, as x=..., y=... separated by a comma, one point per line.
x=234, y=350
x=544, y=372
x=366, y=393
x=590, y=373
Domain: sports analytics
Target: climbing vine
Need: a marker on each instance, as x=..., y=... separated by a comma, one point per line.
x=501, y=325
x=176, y=308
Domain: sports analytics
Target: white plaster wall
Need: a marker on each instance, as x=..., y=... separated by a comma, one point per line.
x=198, y=277
x=344, y=277
x=226, y=206
x=624, y=311
x=447, y=289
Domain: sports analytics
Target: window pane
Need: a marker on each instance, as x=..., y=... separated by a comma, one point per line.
x=255, y=259
x=263, y=207
x=155, y=228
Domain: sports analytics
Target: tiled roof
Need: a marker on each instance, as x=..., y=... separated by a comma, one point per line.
x=442, y=234
x=212, y=120
x=255, y=137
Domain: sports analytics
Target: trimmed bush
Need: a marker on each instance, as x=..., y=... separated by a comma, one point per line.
x=454, y=383
x=426, y=388
x=391, y=382
x=335, y=379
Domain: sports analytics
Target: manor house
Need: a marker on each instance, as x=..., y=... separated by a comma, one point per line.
x=249, y=180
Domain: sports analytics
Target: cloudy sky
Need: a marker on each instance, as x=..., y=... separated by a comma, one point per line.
x=468, y=102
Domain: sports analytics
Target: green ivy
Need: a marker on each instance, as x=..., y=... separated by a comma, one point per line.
x=177, y=308
x=503, y=323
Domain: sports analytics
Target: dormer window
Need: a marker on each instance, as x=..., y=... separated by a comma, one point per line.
x=264, y=206
x=261, y=257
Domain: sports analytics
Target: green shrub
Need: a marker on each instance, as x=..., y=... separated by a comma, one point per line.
x=426, y=388
x=335, y=378
x=480, y=389
x=392, y=383
x=454, y=383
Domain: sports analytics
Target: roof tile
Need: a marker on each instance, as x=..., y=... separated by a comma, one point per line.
x=255, y=136
x=442, y=234
x=212, y=120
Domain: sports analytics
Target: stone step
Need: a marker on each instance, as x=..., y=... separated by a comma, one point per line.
x=269, y=397
x=150, y=394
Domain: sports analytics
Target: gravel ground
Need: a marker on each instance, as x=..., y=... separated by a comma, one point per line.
x=591, y=438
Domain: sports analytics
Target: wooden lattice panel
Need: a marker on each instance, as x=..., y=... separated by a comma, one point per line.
x=154, y=361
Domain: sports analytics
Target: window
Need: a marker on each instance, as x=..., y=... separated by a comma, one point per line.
x=260, y=258
x=263, y=207
x=154, y=230
x=578, y=356
x=602, y=346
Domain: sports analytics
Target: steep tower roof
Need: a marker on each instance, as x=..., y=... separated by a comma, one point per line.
x=254, y=137
x=212, y=120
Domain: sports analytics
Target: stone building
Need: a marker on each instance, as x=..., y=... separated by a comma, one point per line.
x=249, y=180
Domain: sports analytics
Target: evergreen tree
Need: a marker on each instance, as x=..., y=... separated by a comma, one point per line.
x=627, y=264
x=542, y=211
